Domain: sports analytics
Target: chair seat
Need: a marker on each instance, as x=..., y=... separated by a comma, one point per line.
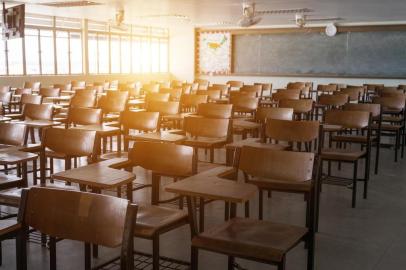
x=32, y=147
x=112, y=155
x=255, y=142
x=392, y=118
x=278, y=185
x=9, y=181
x=14, y=116
x=257, y=239
x=243, y=124
x=8, y=226
x=205, y=142
x=111, y=117
x=155, y=219
x=387, y=127
x=342, y=154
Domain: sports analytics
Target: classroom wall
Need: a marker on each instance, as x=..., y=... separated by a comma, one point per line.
x=183, y=67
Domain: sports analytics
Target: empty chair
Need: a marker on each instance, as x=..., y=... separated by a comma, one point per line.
x=156, y=97
x=355, y=94
x=222, y=87
x=285, y=94
x=113, y=104
x=242, y=94
x=265, y=241
x=150, y=88
x=83, y=116
x=105, y=220
x=38, y=111
x=5, y=100
x=164, y=109
x=78, y=85
x=213, y=94
x=244, y=107
x=327, y=101
x=256, y=88
x=33, y=86
x=83, y=99
x=203, y=84
x=327, y=88
x=176, y=84
x=174, y=93
x=352, y=121
x=266, y=90
x=235, y=85
x=5, y=89
x=25, y=99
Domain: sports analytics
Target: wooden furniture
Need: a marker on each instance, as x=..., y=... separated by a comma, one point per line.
x=351, y=121
x=326, y=102
x=11, y=229
x=256, y=88
x=203, y=84
x=235, y=85
x=213, y=110
x=113, y=104
x=85, y=217
x=5, y=100
x=190, y=102
x=174, y=93
x=168, y=113
x=302, y=108
x=355, y=94
x=83, y=116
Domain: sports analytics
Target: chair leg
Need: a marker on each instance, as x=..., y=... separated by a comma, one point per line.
x=396, y=146
x=34, y=172
x=247, y=209
x=230, y=263
x=21, y=249
x=354, y=185
x=52, y=253
x=282, y=264
x=261, y=205
x=211, y=155
x=194, y=260
x=155, y=252
x=88, y=257
x=378, y=149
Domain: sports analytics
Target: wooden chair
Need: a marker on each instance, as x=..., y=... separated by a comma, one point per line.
x=61, y=214
x=150, y=88
x=150, y=97
x=49, y=92
x=203, y=84
x=326, y=88
x=393, y=120
x=5, y=89
x=187, y=88
x=258, y=240
x=83, y=116
x=354, y=122
x=355, y=94
x=25, y=99
x=327, y=102
x=33, y=85
x=302, y=108
x=235, y=85
x=139, y=121
x=285, y=94
x=266, y=90
x=176, y=84
x=189, y=103
x=58, y=143
x=83, y=99
x=244, y=107
x=224, y=89
x=78, y=84
x=165, y=110
x=212, y=94
x=207, y=133
x=9, y=229
x=113, y=104
x=256, y=88
x=236, y=94
x=162, y=159
x=376, y=113
x=5, y=100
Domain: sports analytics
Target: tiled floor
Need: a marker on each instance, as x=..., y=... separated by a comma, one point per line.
x=370, y=237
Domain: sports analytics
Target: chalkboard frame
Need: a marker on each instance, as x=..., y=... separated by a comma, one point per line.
x=262, y=31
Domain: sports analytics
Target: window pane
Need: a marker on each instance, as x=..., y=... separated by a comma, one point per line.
x=125, y=55
x=3, y=69
x=163, y=57
x=15, y=56
x=136, y=55
x=62, y=52
x=115, y=54
x=47, y=52
x=76, y=53
x=103, y=56
x=31, y=51
x=92, y=53
x=145, y=49
x=155, y=55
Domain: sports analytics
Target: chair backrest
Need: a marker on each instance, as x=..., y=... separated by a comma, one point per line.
x=285, y=94
x=174, y=93
x=298, y=105
x=30, y=99
x=192, y=101
x=327, y=88
x=151, y=88
x=398, y=94
x=142, y=121
x=354, y=93
x=5, y=98
x=292, y=131
x=84, y=116
x=114, y=101
x=288, y=166
x=264, y=113
x=235, y=84
x=78, y=84
x=212, y=94
x=257, y=89
x=244, y=104
x=213, y=110
x=176, y=84
x=187, y=88
x=21, y=91
x=296, y=85
x=266, y=88
x=164, y=108
x=333, y=100
x=203, y=84
x=243, y=94
x=374, y=109
x=373, y=87
x=33, y=86
x=71, y=142
x=82, y=216
x=38, y=111
x=157, y=97
x=49, y=92
x=163, y=158
x=347, y=119
x=222, y=87
x=83, y=99
x=390, y=103
x=207, y=127
x=12, y=134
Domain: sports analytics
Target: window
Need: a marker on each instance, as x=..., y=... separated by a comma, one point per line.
x=92, y=53
x=136, y=55
x=125, y=54
x=47, y=52
x=145, y=55
x=76, y=61
x=15, y=56
x=3, y=64
x=32, y=51
x=163, y=56
x=62, y=52
x=103, y=46
x=115, y=53
x=155, y=55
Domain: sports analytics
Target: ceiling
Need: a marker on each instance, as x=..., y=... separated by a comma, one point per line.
x=207, y=12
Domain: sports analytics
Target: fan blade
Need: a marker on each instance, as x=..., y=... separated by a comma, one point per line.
x=283, y=11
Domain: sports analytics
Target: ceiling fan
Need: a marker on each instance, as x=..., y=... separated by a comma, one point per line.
x=302, y=19
x=118, y=22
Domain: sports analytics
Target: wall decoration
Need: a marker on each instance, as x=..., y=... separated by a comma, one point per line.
x=214, y=54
